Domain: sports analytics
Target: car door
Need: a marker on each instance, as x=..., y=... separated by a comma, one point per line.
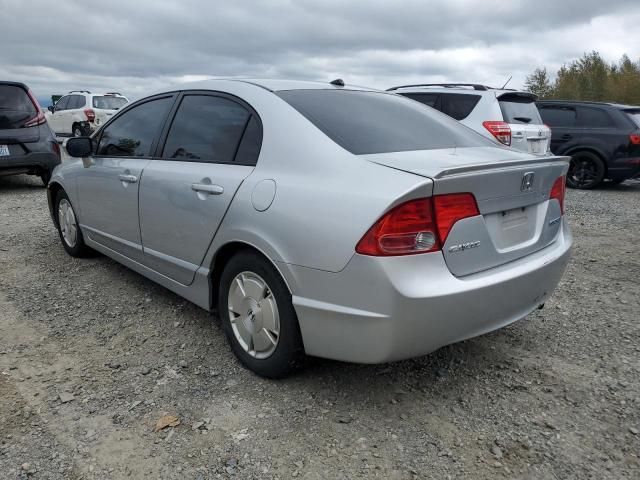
x=108, y=184
x=562, y=119
x=210, y=147
x=600, y=130
x=56, y=118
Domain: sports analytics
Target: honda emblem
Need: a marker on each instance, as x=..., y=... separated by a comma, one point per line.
x=527, y=181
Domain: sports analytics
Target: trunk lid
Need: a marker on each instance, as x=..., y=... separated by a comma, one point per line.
x=512, y=190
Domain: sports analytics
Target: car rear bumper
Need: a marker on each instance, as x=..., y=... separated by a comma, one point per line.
x=624, y=168
x=384, y=309
x=29, y=161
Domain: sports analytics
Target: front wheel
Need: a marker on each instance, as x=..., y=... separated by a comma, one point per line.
x=68, y=227
x=258, y=316
x=586, y=171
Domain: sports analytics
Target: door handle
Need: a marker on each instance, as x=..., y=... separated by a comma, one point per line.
x=128, y=178
x=207, y=188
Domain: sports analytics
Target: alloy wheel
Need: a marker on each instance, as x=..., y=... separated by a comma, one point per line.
x=583, y=172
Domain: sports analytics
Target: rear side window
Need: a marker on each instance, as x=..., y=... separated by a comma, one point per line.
x=428, y=99
x=371, y=122
x=132, y=133
x=15, y=107
x=523, y=110
x=109, y=102
x=206, y=129
x=557, y=116
x=594, y=118
x=458, y=106
x=634, y=115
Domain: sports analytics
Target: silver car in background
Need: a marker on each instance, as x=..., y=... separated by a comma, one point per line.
x=317, y=218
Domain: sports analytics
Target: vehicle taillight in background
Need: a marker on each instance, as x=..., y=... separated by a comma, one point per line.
x=500, y=130
x=39, y=117
x=417, y=226
x=558, y=191
x=634, y=138
x=56, y=148
x=91, y=115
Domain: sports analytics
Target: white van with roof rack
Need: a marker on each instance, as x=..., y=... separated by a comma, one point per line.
x=509, y=117
x=80, y=112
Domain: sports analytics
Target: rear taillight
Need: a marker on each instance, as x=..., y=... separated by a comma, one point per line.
x=500, y=130
x=451, y=208
x=39, y=117
x=417, y=226
x=56, y=148
x=634, y=138
x=91, y=115
x=557, y=192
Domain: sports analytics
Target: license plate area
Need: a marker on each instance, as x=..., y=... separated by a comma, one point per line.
x=536, y=145
x=512, y=229
x=4, y=151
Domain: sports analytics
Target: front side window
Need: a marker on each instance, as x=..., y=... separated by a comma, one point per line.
x=557, y=116
x=62, y=103
x=207, y=129
x=365, y=122
x=594, y=118
x=132, y=134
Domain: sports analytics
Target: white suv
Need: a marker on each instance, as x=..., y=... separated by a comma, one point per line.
x=80, y=112
x=509, y=117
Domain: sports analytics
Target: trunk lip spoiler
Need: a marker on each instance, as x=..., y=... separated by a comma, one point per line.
x=450, y=172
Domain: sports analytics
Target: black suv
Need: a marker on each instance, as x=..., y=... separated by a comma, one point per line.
x=27, y=144
x=603, y=139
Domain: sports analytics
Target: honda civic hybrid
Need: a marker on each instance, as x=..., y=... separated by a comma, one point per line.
x=318, y=218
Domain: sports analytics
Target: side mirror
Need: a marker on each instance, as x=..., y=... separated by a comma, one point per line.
x=51, y=108
x=80, y=146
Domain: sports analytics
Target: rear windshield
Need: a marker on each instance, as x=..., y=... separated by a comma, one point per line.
x=372, y=122
x=109, y=102
x=634, y=115
x=520, y=111
x=15, y=107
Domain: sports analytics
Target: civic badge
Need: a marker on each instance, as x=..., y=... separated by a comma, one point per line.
x=527, y=182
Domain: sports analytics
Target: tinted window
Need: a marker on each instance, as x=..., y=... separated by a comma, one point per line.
x=458, y=106
x=75, y=101
x=206, y=128
x=372, y=122
x=15, y=107
x=249, y=148
x=109, y=102
x=132, y=133
x=62, y=103
x=594, y=118
x=520, y=111
x=558, y=116
x=429, y=99
x=634, y=115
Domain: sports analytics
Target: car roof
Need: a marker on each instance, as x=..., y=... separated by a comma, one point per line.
x=14, y=84
x=588, y=102
x=273, y=85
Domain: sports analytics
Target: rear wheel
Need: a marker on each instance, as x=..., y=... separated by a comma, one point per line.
x=68, y=227
x=258, y=317
x=586, y=171
x=78, y=131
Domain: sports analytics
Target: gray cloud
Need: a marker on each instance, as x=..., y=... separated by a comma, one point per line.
x=136, y=46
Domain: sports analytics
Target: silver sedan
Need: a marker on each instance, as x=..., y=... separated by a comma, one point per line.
x=318, y=219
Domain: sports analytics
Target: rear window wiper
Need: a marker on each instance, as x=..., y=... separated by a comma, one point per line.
x=523, y=119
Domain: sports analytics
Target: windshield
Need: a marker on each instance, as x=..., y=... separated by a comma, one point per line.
x=634, y=115
x=520, y=111
x=109, y=102
x=375, y=122
x=15, y=107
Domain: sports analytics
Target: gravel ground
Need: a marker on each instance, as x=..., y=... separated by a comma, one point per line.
x=92, y=355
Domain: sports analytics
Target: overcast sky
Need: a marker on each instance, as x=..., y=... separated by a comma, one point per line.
x=136, y=46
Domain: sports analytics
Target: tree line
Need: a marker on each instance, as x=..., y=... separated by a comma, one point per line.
x=589, y=78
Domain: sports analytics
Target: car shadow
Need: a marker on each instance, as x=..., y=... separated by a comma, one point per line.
x=627, y=185
x=16, y=183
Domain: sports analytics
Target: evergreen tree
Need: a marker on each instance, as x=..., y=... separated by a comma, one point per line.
x=538, y=82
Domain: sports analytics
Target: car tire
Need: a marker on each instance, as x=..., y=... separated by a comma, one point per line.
x=45, y=176
x=78, y=131
x=258, y=317
x=586, y=171
x=69, y=228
